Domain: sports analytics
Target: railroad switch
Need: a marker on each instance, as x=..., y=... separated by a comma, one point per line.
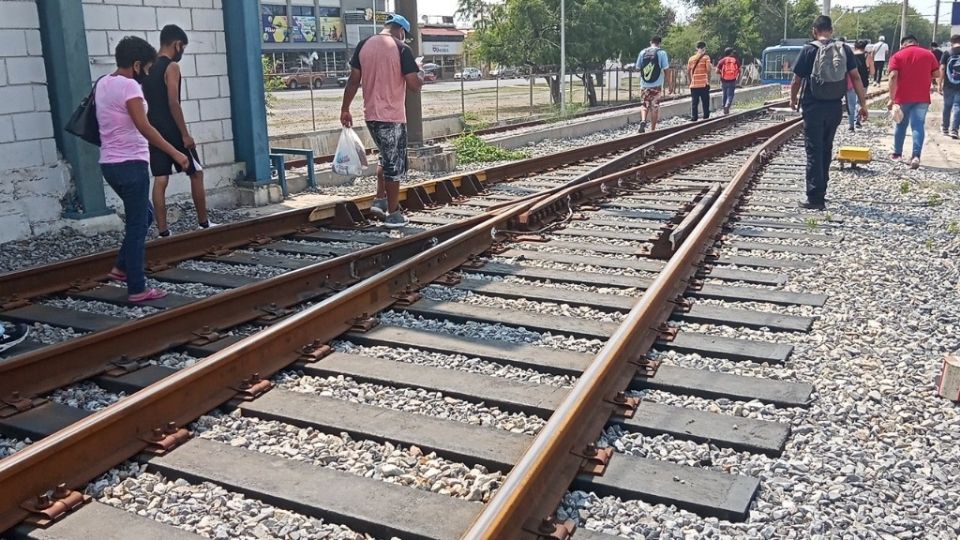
x=625, y=406
x=47, y=508
x=549, y=528
x=252, y=388
x=363, y=323
x=16, y=404
x=595, y=459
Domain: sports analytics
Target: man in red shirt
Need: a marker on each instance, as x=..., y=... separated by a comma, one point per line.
x=911, y=69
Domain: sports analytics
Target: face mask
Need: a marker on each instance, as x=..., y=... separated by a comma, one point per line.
x=179, y=55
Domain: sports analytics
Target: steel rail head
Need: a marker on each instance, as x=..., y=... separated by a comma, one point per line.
x=537, y=482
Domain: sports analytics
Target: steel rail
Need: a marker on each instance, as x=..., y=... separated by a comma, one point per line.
x=37, y=372
x=50, y=278
x=536, y=484
x=76, y=454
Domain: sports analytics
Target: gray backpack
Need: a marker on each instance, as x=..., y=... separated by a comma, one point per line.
x=828, y=80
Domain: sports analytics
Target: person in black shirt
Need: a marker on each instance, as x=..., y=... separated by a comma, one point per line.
x=821, y=118
x=949, y=83
x=162, y=92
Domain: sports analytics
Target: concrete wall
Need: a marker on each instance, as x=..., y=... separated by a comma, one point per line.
x=205, y=90
x=32, y=177
x=324, y=142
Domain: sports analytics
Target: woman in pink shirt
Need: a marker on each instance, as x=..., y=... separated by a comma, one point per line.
x=125, y=154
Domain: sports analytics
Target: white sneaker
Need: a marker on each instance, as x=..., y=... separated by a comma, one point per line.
x=396, y=220
x=209, y=224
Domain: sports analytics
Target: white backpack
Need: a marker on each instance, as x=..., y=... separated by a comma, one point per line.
x=828, y=80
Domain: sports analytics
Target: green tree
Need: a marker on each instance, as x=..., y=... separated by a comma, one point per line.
x=527, y=32
x=271, y=82
x=477, y=11
x=880, y=20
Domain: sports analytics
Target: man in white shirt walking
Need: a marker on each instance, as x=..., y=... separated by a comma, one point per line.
x=880, y=51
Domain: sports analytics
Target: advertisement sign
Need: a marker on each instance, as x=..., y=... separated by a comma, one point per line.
x=275, y=23
x=441, y=48
x=304, y=29
x=329, y=25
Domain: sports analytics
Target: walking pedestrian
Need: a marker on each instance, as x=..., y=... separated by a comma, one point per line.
x=652, y=63
x=937, y=51
x=819, y=85
x=728, y=69
x=126, y=135
x=911, y=69
x=950, y=88
x=880, y=51
x=859, y=54
x=162, y=92
x=698, y=69
x=386, y=69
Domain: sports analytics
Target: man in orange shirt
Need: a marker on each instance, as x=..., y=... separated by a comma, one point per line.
x=698, y=68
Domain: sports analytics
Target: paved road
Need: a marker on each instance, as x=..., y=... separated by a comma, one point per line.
x=441, y=86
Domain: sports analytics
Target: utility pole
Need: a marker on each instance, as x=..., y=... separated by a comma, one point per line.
x=563, y=54
x=408, y=8
x=826, y=7
x=903, y=20
x=786, y=6
x=936, y=20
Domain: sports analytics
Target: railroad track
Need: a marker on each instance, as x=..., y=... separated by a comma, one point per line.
x=631, y=228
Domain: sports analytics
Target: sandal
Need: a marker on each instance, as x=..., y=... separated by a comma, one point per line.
x=147, y=295
x=117, y=275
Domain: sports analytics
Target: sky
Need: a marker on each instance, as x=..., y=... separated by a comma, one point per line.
x=925, y=7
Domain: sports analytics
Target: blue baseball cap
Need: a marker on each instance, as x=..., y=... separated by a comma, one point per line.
x=399, y=20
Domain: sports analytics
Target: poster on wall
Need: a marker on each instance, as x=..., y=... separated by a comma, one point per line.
x=275, y=23
x=329, y=27
x=304, y=29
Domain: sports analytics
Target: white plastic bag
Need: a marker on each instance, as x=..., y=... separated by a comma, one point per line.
x=351, y=157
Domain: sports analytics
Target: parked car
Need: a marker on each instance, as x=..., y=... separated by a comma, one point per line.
x=468, y=74
x=342, y=80
x=302, y=78
x=505, y=73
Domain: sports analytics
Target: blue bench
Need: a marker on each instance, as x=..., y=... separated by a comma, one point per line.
x=311, y=176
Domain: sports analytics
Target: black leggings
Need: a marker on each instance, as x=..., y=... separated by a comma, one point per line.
x=700, y=96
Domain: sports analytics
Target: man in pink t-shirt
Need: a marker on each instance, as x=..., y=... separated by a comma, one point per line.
x=384, y=66
x=911, y=70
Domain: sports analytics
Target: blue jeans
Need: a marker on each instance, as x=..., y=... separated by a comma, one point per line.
x=951, y=105
x=729, y=88
x=914, y=114
x=131, y=181
x=853, y=109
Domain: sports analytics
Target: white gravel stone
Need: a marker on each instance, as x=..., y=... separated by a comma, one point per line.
x=9, y=446
x=258, y=271
x=628, y=291
x=415, y=400
x=193, y=290
x=86, y=396
x=101, y=308
x=406, y=466
x=573, y=267
x=50, y=335
x=207, y=509
x=454, y=361
x=441, y=293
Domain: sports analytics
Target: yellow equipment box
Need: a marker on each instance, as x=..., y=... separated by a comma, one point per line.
x=853, y=155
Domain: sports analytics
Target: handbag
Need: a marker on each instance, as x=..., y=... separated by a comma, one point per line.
x=83, y=122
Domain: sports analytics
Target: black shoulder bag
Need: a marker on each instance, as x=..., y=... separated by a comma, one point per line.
x=83, y=122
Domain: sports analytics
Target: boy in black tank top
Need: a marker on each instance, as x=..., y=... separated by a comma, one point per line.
x=162, y=92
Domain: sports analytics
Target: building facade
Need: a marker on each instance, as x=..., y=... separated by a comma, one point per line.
x=317, y=34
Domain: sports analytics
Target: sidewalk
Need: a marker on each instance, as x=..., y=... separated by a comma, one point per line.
x=940, y=152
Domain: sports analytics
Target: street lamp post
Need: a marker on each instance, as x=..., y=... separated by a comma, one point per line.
x=563, y=54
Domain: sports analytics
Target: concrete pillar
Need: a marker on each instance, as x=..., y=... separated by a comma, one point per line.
x=247, y=100
x=408, y=8
x=64, y=41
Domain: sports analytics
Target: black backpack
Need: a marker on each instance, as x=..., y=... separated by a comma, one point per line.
x=952, y=68
x=650, y=65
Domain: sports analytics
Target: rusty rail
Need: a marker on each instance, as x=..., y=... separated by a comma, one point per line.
x=78, y=453
x=534, y=487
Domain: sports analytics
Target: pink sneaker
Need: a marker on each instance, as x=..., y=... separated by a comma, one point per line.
x=116, y=275
x=147, y=295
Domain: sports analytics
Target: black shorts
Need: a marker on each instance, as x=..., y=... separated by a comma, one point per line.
x=391, y=141
x=162, y=164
